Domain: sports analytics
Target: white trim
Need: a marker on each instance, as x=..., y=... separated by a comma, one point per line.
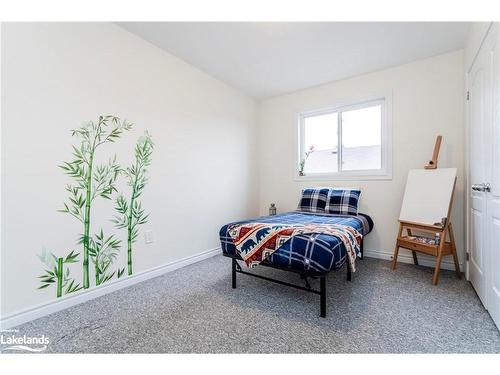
x=467, y=174
x=407, y=258
x=346, y=176
x=44, y=309
x=385, y=173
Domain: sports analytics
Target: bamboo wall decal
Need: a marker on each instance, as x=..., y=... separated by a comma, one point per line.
x=91, y=181
x=131, y=213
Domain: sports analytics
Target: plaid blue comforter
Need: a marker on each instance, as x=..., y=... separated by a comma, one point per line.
x=307, y=252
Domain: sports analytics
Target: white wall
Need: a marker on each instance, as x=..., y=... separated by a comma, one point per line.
x=427, y=100
x=55, y=76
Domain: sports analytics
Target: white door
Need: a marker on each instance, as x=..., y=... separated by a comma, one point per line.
x=493, y=197
x=484, y=120
x=479, y=104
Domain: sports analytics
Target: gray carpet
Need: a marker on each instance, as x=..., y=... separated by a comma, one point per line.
x=194, y=309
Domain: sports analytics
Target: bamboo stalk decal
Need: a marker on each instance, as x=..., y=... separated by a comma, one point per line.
x=129, y=242
x=86, y=224
x=131, y=213
x=59, y=276
x=56, y=274
x=91, y=181
x=97, y=272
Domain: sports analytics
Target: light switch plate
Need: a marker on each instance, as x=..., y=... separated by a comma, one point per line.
x=148, y=236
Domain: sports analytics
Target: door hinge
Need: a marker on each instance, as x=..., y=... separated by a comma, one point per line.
x=467, y=256
x=468, y=95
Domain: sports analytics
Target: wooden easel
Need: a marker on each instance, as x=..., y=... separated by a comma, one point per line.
x=444, y=229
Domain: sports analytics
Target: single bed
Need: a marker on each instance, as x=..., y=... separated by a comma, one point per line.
x=310, y=255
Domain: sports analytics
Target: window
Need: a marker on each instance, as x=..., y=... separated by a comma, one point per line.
x=347, y=141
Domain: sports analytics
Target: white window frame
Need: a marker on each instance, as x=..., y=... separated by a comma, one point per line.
x=384, y=173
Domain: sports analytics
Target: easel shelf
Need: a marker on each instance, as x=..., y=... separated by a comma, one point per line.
x=444, y=248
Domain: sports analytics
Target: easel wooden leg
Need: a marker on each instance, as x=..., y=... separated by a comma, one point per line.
x=413, y=253
x=396, y=248
x=435, y=278
x=454, y=251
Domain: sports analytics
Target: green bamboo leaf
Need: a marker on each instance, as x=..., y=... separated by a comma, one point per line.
x=48, y=280
x=76, y=288
x=120, y=273
x=104, y=268
x=144, y=220
x=70, y=286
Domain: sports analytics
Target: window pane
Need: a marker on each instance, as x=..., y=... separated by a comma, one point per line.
x=362, y=139
x=321, y=133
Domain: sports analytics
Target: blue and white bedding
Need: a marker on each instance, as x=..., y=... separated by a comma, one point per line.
x=306, y=252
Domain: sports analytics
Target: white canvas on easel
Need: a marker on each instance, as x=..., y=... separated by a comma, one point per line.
x=428, y=195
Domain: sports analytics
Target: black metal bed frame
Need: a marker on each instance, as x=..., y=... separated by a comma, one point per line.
x=236, y=268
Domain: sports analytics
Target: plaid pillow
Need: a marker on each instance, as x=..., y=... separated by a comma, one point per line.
x=343, y=202
x=313, y=200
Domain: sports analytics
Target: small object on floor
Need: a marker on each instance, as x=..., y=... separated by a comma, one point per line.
x=272, y=209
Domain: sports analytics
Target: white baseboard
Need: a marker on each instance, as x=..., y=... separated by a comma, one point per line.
x=39, y=311
x=407, y=258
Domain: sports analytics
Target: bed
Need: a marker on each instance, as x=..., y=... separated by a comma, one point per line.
x=310, y=255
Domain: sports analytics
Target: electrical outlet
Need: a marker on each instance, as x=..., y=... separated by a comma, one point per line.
x=148, y=236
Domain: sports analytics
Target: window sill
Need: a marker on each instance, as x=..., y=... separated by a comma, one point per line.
x=344, y=177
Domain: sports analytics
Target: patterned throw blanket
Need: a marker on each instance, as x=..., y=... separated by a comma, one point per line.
x=255, y=242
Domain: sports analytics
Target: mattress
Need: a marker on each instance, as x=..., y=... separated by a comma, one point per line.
x=314, y=252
